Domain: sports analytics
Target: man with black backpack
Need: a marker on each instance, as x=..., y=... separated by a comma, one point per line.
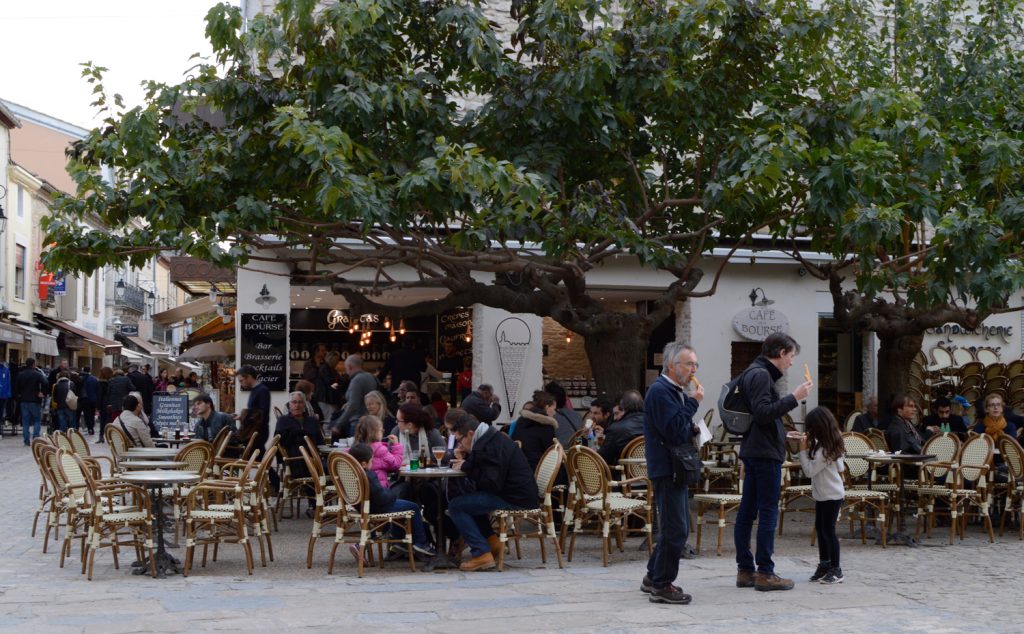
x=763, y=451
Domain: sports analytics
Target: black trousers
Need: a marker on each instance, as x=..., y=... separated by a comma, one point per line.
x=825, y=516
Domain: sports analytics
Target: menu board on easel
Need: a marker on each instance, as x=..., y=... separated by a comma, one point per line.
x=264, y=346
x=169, y=410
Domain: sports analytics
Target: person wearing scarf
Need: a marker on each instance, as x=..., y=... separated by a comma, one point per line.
x=995, y=424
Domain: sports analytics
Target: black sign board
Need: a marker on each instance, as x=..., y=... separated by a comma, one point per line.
x=452, y=325
x=130, y=330
x=170, y=410
x=265, y=347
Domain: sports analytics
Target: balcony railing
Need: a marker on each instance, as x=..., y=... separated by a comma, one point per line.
x=134, y=299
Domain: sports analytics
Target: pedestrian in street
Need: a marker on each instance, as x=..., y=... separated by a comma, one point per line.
x=89, y=399
x=763, y=451
x=821, y=457
x=668, y=422
x=5, y=394
x=30, y=389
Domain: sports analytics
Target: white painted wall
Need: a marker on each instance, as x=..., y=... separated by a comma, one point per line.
x=521, y=332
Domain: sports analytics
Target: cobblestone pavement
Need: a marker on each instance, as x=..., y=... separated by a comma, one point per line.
x=934, y=588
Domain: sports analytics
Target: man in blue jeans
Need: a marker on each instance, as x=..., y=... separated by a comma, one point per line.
x=668, y=422
x=501, y=477
x=763, y=451
x=29, y=389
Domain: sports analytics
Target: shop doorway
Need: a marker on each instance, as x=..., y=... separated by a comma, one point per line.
x=840, y=368
x=743, y=354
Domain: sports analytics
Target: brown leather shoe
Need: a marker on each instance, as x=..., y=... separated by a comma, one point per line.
x=495, y=544
x=480, y=562
x=745, y=579
x=767, y=583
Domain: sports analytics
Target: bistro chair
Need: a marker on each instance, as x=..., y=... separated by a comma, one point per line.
x=105, y=518
x=994, y=370
x=945, y=448
x=257, y=498
x=543, y=517
x=965, y=486
x=208, y=520
x=57, y=497
x=46, y=487
x=848, y=423
x=635, y=449
x=118, y=442
x=597, y=500
x=1013, y=488
x=325, y=511
x=860, y=502
x=354, y=512
x=198, y=456
x=1015, y=368
x=723, y=503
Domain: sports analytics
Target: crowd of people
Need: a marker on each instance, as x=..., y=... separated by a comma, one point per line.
x=78, y=398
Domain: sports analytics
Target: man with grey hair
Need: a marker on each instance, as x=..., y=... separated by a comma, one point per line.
x=668, y=422
x=360, y=384
x=483, y=403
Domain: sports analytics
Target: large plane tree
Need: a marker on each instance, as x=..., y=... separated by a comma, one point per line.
x=502, y=163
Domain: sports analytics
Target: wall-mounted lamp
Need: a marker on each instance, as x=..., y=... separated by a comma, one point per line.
x=764, y=301
x=265, y=298
x=119, y=289
x=213, y=294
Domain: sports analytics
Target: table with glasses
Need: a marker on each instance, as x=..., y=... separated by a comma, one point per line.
x=875, y=459
x=441, y=560
x=155, y=481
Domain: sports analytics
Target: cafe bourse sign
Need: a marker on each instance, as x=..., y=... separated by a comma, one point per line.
x=757, y=322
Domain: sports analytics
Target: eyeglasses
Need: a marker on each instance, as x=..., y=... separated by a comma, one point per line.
x=693, y=365
x=992, y=405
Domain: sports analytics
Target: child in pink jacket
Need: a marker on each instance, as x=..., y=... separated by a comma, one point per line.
x=387, y=456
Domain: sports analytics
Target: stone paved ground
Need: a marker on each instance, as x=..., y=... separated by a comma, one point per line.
x=935, y=588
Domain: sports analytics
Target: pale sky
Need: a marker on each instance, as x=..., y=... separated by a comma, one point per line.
x=42, y=43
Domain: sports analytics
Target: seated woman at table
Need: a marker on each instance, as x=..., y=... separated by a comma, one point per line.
x=415, y=430
x=293, y=427
x=306, y=387
x=377, y=405
x=384, y=500
x=995, y=423
x=134, y=422
x=387, y=456
x=535, y=429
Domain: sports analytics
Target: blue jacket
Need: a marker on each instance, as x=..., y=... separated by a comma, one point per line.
x=5, y=381
x=668, y=417
x=767, y=436
x=91, y=386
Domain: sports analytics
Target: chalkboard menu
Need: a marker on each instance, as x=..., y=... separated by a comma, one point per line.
x=170, y=410
x=265, y=347
x=453, y=326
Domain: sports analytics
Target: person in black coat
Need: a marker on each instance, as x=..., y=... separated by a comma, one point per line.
x=30, y=388
x=536, y=426
x=630, y=426
x=483, y=404
x=293, y=427
x=942, y=414
x=569, y=420
x=118, y=387
x=143, y=384
x=502, y=479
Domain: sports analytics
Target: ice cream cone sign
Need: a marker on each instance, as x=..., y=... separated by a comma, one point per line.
x=693, y=379
x=807, y=373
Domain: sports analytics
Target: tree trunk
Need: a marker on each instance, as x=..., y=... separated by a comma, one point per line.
x=895, y=355
x=618, y=357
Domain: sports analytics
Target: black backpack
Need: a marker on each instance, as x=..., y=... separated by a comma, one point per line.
x=733, y=407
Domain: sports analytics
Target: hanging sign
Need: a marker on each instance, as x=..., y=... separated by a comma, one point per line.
x=264, y=346
x=757, y=322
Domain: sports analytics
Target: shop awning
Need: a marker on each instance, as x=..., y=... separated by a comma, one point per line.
x=185, y=311
x=42, y=342
x=214, y=330
x=144, y=346
x=108, y=346
x=10, y=333
x=209, y=351
x=134, y=357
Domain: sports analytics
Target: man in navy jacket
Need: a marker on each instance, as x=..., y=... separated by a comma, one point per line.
x=668, y=422
x=763, y=451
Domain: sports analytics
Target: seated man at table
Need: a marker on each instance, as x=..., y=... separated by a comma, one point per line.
x=942, y=414
x=869, y=419
x=293, y=427
x=210, y=420
x=630, y=426
x=501, y=478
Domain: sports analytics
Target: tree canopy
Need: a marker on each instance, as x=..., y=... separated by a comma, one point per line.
x=502, y=166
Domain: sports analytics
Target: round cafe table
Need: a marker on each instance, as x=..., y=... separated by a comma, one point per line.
x=152, y=464
x=441, y=559
x=155, y=481
x=149, y=453
x=900, y=536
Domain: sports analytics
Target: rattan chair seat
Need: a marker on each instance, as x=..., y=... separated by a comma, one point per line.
x=720, y=498
x=617, y=504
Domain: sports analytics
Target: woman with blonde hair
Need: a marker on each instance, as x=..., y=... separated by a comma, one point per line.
x=377, y=405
